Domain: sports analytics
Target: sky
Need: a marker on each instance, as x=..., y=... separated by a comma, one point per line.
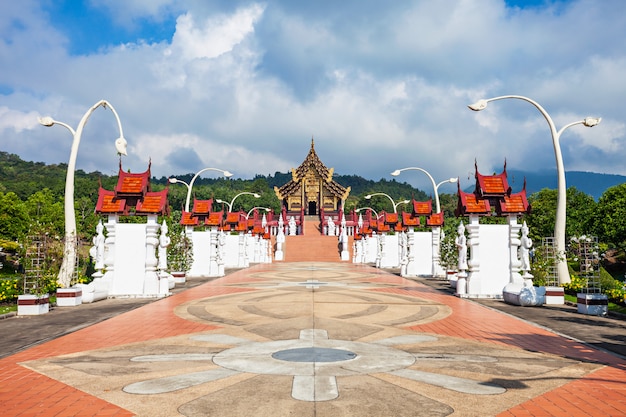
x=245, y=86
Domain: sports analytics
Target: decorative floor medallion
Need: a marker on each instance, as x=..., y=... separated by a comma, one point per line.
x=313, y=340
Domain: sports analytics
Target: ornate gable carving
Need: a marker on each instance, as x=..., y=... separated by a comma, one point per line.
x=312, y=181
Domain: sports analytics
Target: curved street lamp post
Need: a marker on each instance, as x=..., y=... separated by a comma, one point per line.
x=230, y=205
x=561, y=210
x=227, y=174
x=393, y=203
x=267, y=210
x=69, y=254
x=432, y=180
x=367, y=208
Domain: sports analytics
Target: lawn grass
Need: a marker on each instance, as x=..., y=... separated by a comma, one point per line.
x=614, y=308
x=4, y=309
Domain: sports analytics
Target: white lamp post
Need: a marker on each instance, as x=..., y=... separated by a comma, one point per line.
x=69, y=254
x=561, y=202
x=267, y=210
x=393, y=203
x=190, y=185
x=230, y=205
x=367, y=208
x=173, y=180
x=432, y=180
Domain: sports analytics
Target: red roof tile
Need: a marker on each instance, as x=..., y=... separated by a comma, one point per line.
x=153, y=203
x=423, y=208
x=108, y=204
x=515, y=203
x=391, y=218
x=201, y=207
x=469, y=203
x=435, y=219
x=214, y=219
x=132, y=184
x=188, y=220
x=409, y=220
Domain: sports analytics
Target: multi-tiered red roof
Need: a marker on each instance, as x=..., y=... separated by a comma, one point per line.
x=492, y=192
x=198, y=214
x=132, y=196
x=425, y=208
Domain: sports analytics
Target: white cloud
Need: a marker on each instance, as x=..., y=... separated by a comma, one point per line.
x=17, y=120
x=215, y=35
x=245, y=86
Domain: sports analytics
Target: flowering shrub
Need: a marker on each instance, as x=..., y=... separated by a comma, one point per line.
x=449, y=252
x=612, y=288
x=616, y=295
x=9, y=289
x=576, y=285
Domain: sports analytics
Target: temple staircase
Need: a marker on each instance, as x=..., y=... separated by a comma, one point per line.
x=312, y=246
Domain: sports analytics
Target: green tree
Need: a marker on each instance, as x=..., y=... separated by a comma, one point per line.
x=580, y=213
x=14, y=217
x=609, y=222
x=46, y=210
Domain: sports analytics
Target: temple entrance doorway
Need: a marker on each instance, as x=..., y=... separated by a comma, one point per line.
x=312, y=208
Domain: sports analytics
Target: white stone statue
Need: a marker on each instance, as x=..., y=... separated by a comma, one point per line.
x=524, y=249
x=404, y=254
x=292, y=226
x=331, y=227
x=280, y=240
x=97, y=250
x=461, y=244
x=221, y=246
x=164, y=242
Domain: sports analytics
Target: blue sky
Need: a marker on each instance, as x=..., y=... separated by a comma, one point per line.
x=245, y=85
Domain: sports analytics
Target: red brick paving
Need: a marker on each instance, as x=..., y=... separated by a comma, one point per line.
x=600, y=393
x=27, y=393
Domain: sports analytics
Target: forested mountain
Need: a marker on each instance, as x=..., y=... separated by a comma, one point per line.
x=24, y=178
x=590, y=183
x=31, y=193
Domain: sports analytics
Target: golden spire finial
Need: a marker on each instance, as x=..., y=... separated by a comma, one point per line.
x=312, y=142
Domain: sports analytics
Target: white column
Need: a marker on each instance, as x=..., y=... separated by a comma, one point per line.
x=109, y=248
x=151, y=279
x=474, y=278
x=436, y=239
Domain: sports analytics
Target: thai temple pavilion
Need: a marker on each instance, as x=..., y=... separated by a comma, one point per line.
x=312, y=189
x=132, y=196
x=492, y=196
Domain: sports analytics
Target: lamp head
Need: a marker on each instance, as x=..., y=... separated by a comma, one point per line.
x=592, y=121
x=219, y=201
x=367, y=197
x=255, y=195
x=479, y=105
x=120, y=146
x=453, y=180
x=46, y=121
x=405, y=201
x=228, y=174
x=396, y=173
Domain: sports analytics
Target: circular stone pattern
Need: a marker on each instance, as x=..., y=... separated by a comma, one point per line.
x=314, y=354
x=346, y=358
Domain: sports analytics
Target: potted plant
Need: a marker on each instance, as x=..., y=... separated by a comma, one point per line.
x=179, y=251
x=37, y=276
x=449, y=257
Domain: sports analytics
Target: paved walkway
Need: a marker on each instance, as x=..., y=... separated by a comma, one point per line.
x=312, y=339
